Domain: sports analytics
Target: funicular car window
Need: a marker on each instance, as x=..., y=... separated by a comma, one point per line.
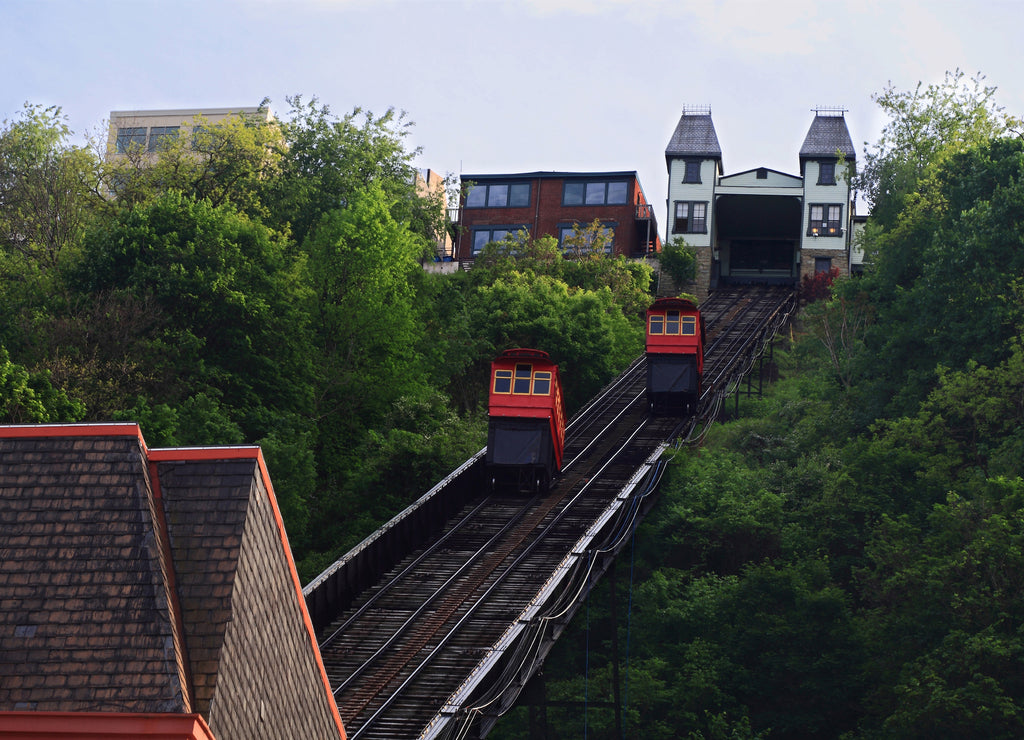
x=541, y=383
x=657, y=324
x=522, y=379
x=689, y=325
x=502, y=381
x=672, y=322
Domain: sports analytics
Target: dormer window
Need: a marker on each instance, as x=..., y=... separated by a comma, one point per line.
x=692, y=172
x=826, y=173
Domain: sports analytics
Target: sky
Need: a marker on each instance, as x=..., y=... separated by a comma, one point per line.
x=506, y=86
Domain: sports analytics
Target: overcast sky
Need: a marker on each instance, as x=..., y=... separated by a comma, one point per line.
x=516, y=86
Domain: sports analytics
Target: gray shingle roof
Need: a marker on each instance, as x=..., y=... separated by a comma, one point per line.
x=827, y=135
x=85, y=623
x=694, y=137
x=139, y=580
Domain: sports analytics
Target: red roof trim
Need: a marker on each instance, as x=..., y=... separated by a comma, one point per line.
x=82, y=725
x=167, y=454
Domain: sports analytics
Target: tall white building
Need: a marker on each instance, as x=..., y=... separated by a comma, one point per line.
x=760, y=224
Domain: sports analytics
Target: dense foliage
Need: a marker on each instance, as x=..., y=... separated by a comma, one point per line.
x=259, y=282
x=845, y=558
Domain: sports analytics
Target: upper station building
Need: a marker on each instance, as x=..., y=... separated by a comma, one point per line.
x=762, y=225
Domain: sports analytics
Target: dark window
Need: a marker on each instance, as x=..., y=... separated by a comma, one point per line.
x=519, y=195
x=476, y=197
x=762, y=173
x=692, y=173
x=822, y=264
x=607, y=231
x=572, y=194
x=657, y=324
x=690, y=217
x=541, y=383
x=131, y=138
x=826, y=219
x=595, y=193
x=826, y=173
x=521, y=384
x=618, y=193
x=499, y=195
x=484, y=235
x=161, y=136
x=502, y=381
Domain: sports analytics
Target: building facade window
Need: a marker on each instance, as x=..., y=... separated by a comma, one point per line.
x=161, y=136
x=499, y=195
x=595, y=193
x=826, y=173
x=826, y=219
x=822, y=264
x=566, y=231
x=690, y=217
x=692, y=172
x=131, y=138
x=484, y=235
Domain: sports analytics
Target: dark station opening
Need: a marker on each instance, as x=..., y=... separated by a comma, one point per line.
x=757, y=237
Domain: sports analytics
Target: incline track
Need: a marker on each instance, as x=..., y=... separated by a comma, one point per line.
x=416, y=656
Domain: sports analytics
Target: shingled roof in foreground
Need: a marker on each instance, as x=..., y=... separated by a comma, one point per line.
x=139, y=586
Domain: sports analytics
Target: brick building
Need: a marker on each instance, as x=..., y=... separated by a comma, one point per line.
x=760, y=224
x=149, y=593
x=555, y=204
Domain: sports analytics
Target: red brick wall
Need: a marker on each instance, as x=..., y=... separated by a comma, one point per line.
x=546, y=213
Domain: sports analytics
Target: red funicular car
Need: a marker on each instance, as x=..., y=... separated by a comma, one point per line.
x=526, y=432
x=675, y=356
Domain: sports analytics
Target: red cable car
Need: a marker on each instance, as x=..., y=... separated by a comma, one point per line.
x=675, y=356
x=526, y=432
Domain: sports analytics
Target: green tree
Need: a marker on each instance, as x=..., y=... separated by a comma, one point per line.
x=679, y=261
x=30, y=398
x=330, y=160
x=44, y=190
x=582, y=330
x=925, y=125
x=947, y=269
x=230, y=307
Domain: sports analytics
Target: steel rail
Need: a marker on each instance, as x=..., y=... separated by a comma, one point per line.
x=533, y=544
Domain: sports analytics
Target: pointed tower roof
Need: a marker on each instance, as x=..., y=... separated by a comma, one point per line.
x=828, y=134
x=694, y=135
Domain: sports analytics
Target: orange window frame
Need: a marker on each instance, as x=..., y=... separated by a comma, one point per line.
x=672, y=322
x=542, y=383
x=521, y=381
x=504, y=377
